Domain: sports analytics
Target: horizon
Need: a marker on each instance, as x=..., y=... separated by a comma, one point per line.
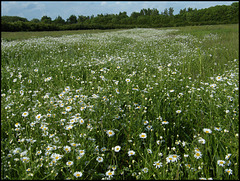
x=37, y=9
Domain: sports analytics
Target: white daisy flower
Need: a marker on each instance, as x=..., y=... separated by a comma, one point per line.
x=109, y=173
x=99, y=159
x=117, y=148
x=77, y=174
x=221, y=163
x=110, y=133
x=143, y=135
x=25, y=114
x=69, y=163
x=131, y=152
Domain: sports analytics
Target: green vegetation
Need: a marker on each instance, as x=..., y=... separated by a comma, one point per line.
x=146, y=18
x=9, y=36
x=131, y=104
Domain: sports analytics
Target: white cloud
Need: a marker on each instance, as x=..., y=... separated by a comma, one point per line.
x=103, y=3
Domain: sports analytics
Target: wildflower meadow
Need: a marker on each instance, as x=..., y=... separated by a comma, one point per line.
x=130, y=104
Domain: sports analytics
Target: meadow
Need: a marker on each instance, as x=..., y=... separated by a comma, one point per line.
x=121, y=105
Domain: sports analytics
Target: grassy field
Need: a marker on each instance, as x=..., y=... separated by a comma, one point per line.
x=10, y=36
x=124, y=105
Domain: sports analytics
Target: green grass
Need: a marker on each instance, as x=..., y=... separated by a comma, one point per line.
x=10, y=36
x=173, y=84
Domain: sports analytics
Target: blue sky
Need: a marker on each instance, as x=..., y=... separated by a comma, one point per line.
x=37, y=9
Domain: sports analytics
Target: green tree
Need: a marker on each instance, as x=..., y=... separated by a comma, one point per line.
x=135, y=15
x=82, y=19
x=170, y=11
x=165, y=12
x=59, y=20
x=35, y=20
x=72, y=19
x=123, y=15
x=13, y=19
x=154, y=12
x=46, y=19
x=143, y=20
x=234, y=12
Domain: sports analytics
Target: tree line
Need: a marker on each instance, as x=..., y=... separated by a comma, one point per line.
x=146, y=18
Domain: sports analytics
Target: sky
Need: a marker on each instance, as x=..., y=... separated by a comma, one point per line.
x=53, y=9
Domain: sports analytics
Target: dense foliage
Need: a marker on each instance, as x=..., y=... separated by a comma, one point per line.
x=146, y=18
